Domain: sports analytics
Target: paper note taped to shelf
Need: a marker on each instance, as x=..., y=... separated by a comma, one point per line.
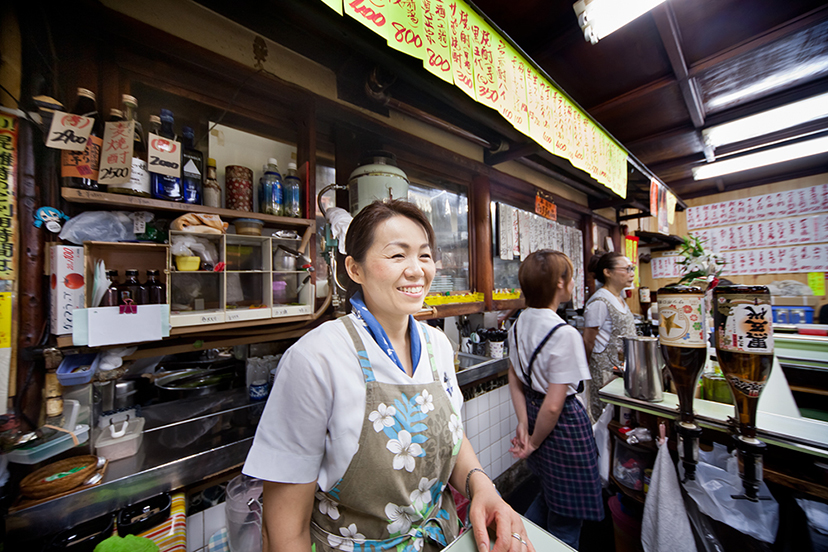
x=106, y=326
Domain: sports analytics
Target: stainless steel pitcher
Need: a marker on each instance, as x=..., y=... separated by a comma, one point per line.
x=644, y=363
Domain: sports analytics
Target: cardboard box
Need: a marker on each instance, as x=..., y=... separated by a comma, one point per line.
x=67, y=284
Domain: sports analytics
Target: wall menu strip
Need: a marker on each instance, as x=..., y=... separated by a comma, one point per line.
x=459, y=46
x=8, y=163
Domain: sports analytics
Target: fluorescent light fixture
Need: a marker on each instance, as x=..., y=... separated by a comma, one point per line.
x=762, y=158
x=598, y=18
x=768, y=122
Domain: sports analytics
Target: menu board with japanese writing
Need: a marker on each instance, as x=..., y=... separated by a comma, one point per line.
x=437, y=57
x=371, y=13
x=513, y=105
x=8, y=161
x=483, y=51
x=406, y=33
x=461, y=48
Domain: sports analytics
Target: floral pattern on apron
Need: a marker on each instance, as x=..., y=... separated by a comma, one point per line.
x=394, y=494
x=601, y=364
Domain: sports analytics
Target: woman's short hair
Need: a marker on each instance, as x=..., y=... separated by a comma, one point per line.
x=360, y=235
x=599, y=263
x=539, y=275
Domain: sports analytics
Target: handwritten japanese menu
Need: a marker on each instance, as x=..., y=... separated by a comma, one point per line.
x=8, y=161
x=459, y=46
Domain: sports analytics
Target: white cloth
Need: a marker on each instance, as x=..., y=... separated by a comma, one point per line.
x=596, y=315
x=309, y=430
x=562, y=360
x=665, y=525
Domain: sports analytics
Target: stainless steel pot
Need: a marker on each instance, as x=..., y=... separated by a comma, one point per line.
x=644, y=363
x=194, y=383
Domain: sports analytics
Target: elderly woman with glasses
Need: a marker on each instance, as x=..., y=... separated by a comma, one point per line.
x=607, y=318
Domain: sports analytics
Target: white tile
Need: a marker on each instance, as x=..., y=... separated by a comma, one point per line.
x=484, y=402
x=485, y=457
x=483, y=420
x=506, y=397
x=505, y=409
x=195, y=532
x=473, y=407
x=506, y=429
x=463, y=411
x=485, y=439
x=475, y=442
x=472, y=427
x=214, y=520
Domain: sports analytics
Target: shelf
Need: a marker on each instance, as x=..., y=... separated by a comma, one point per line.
x=194, y=272
x=73, y=195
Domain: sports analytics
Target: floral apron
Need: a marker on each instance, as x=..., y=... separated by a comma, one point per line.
x=601, y=364
x=394, y=494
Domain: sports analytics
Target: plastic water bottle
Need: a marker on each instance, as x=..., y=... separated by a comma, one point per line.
x=293, y=193
x=271, y=198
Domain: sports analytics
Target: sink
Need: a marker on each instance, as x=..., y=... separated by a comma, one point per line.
x=474, y=367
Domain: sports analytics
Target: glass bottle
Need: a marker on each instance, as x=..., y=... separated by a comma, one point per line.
x=156, y=291
x=132, y=289
x=115, y=116
x=212, y=190
x=79, y=169
x=293, y=193
x=163, y=186
x=193, y=169
x=154, y=124
x=110, y=297
x=139, y=183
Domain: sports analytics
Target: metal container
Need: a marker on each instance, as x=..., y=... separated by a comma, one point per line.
x=644, y=363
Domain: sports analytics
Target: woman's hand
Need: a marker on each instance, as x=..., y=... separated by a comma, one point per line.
x=521, y=443
x=488, y=509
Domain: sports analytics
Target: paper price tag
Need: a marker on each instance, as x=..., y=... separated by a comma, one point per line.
x=164, y=156
x=139, y=225
x=116, y=154
x=69, y=132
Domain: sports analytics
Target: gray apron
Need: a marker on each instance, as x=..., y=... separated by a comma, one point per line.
x=394, y=494
x=601, y=364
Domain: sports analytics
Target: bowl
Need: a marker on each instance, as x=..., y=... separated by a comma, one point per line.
x=248, y=226
x=184, y=263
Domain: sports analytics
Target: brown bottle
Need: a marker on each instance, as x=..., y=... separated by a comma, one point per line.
x=132, y=289
x=743, y=322
x=156, y=291
x=683, y=340
x=79, y=169
x=110, y=298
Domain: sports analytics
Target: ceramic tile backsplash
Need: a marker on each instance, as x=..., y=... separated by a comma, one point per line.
x=214, y=520
x=195, y=532
x=490, y=422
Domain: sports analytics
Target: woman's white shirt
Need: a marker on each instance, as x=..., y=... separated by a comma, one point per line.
x=596, y=315
x=562, y=359
x=310, y=427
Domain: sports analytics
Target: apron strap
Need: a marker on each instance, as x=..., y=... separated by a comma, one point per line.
x=527, y=374
x=364, y=363
x=430, y=351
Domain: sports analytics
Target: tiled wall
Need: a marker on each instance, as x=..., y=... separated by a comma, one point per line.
x=490, y=422
x=203, y=525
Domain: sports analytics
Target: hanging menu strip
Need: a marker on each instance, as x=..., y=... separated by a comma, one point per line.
x=8, y=160
x=459, y=46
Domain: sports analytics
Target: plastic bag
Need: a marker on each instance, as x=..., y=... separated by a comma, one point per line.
x=602, y=442
x=109, y=226
x=192, y=246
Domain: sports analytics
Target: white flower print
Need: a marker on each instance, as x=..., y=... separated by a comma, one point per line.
x=426, y=401
x=382, y=417
x=456, y=427
x=327, y=507
x=418, y=541
x=348, y=538
x=404, y=451
x=422, y=494
x=401, y=518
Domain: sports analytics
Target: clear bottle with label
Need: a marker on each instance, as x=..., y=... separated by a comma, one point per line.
x=212, y=189
x=167, y=187
x=270, y=199
x=79, y=169
x=193, y=170
x=156, y=291
x=139, y=179
x=132, y=289
x=292, y=193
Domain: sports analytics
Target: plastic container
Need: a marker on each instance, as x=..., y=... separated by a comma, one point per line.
x=629, y=463
x=812, y=329
x=627, y=528
x=141, y=516
x=85, y=536
x=793, y=315
x=187, y=264
x=69, y=372
x=61, y=443
x=244, y=514
x=120, y=440
x=248, y=227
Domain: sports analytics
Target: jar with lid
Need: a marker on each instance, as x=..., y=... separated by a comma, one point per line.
x=212, y=190
x=156, y=291
x=132, y=289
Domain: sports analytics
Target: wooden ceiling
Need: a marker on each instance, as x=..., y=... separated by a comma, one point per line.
x=654, y=84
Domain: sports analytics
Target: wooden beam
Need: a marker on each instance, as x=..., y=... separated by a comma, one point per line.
x=514, y=152
x=480, y=239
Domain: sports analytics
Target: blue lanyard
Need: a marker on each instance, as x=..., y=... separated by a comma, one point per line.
x=379, y=335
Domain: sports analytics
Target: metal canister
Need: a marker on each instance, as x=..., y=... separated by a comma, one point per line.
x=642, y=374
x=238, y=186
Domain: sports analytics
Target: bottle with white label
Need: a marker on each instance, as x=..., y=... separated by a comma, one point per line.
x=212, y=190
x=193, y=170
x=163, y=186
x=79, y=169
x=139, y=178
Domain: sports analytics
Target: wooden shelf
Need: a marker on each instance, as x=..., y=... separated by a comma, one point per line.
x=73, y=195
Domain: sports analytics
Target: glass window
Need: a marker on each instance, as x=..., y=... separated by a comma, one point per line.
x=448, y=212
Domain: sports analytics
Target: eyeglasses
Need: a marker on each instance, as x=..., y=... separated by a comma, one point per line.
x=629, y=269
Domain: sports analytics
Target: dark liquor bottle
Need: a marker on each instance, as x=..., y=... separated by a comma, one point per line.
x=163, y=186
x=110, y=297
x=139, y=184
x=682, y=338
x=115, y=116
x=743, y=324
x=156, y=291
x=193, y=169
x=132, y=289
x=79, y=169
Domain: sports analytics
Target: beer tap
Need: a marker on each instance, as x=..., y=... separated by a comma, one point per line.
x=744, y=345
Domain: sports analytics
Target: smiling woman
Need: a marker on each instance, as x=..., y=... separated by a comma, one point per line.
x=362, y=432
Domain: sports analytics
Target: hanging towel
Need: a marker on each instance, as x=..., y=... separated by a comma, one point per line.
x=665, y=525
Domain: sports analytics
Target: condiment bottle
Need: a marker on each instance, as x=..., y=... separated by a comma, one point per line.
x=156, y=291
x=79, y=169
x=110, y=297
x=132, y=289
x=212, y=189
x=193, y=167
